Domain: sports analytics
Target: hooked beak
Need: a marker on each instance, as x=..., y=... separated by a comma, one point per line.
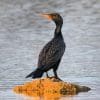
x=48, y=16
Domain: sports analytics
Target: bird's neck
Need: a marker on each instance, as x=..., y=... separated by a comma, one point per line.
x=58, y=30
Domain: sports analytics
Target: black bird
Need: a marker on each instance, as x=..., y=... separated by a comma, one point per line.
x=51, y=55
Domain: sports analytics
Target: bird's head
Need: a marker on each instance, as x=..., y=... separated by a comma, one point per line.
x=55, y=17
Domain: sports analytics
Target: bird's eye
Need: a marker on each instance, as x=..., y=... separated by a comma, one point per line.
x=55, y=16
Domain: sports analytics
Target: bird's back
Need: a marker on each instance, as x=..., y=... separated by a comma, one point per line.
x=52, y=52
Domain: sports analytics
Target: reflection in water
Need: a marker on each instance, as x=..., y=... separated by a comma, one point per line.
x=47, y=96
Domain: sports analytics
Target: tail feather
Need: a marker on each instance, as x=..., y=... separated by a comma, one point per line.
x=29, y=75
x=35, y=74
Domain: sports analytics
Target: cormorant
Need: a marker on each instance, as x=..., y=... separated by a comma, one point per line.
x=51, y=55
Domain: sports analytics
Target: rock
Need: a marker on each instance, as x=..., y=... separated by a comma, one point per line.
x=49, y=87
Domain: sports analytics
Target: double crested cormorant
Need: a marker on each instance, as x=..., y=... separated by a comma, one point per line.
x=51, y=54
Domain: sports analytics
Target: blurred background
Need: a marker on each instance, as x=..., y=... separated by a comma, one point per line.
x=23, y=33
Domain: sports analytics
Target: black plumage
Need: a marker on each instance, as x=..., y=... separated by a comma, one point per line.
x=51, y=55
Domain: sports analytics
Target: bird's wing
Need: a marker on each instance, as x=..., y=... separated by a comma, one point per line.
x=42, y=55
x=50, y=54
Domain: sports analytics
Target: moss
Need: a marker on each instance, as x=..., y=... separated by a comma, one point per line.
x=48, y=88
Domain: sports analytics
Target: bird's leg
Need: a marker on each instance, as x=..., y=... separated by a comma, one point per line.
x=47, y=75
x=56, y=76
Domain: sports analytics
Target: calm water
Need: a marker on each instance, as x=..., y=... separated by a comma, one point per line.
x=23, y=32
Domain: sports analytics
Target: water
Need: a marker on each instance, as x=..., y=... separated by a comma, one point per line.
x=23, y=32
